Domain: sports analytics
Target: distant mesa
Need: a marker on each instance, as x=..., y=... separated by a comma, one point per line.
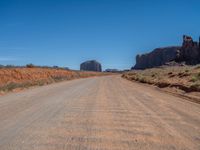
x=91, y=65
x=188, y=53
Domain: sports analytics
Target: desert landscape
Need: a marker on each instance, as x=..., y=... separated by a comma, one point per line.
x=99, y=75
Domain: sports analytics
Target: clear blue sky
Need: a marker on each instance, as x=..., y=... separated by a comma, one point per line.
x=67, y=32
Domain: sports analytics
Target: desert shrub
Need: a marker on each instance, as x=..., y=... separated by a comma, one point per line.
x=186, y=70
x=131, y=73
x=41, y=82
x=198, y=75
x=180, y=74
x=30, y=66
x=197, y=67
x=60, y=78
x=154, y=74
x=183, y=74
x=143, y=80
x=9, y=87
x=193, y=79
x=123, y=75
x=170, y=73
x=195, y=87
x=133, y=78
x=162, y=84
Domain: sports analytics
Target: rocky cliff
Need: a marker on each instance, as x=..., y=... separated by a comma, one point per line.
x=91, y=65
x=188, y=53
x=157, y=57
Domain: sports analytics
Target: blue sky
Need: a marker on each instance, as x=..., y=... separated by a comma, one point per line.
x=68, y=32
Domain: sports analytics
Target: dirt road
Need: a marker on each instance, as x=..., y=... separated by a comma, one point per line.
x=98, y=113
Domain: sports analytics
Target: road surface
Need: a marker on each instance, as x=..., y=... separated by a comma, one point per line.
x=99, y=113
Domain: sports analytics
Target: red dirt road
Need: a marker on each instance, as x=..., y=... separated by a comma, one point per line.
x=101, y=113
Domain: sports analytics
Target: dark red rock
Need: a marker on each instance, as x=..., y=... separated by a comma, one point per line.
x=157, y=57
x=189, y=53
x=91, y=65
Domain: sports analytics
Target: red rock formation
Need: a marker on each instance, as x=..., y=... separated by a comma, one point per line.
x=157, y=57
x=91, y=65
x=189, y=52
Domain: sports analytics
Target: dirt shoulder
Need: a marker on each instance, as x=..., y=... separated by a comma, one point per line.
x=15, y=79
x=179, y=80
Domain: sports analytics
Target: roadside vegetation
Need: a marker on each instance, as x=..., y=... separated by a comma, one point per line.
x=185, y=78
x=17, y=78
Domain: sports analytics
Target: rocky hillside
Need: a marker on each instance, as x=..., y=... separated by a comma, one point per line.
x=91, y=65
x=189, y=53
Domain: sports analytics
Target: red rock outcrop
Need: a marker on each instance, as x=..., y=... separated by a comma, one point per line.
x=189, y=53
x=157, y=57
x=91, y=65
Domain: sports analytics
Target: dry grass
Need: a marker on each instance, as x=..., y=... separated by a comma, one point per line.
x=20, y=78
x=186, y=78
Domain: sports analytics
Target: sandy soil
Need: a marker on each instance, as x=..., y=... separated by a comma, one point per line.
x=98, y=113
x=12, y=79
